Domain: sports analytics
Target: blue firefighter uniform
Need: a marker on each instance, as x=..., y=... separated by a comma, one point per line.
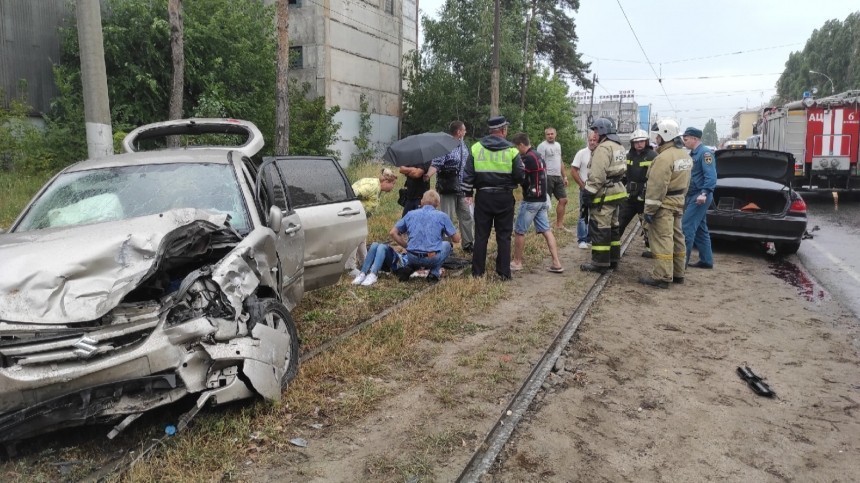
x=703, y=180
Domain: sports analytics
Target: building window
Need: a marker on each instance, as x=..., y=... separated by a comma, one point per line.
x=389, y=6
x=297, y=3
x=297, y=60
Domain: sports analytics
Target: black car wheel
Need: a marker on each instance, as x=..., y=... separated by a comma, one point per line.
x=273, y=314
x=787, y=248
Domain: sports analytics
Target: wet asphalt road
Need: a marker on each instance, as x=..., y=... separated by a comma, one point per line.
x=833, y=255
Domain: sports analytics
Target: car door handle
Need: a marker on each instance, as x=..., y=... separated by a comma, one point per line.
x=292, y=229
x=348, y=212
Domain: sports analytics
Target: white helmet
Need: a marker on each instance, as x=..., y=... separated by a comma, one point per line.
x=668, y=129
x=639, y=135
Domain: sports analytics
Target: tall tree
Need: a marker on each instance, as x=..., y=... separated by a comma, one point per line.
x=450, y=78
x=709, y=134
x=832, y=50
x=177, y=54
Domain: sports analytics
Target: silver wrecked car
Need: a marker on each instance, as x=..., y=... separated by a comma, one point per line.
x=131, y=281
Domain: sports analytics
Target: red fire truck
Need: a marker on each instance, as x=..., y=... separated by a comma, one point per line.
x=824, y=137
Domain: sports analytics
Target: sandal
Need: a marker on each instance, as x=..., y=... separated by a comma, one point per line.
x=515, y=267
x=555, y=269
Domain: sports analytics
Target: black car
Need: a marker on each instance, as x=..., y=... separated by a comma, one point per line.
x=754, y=200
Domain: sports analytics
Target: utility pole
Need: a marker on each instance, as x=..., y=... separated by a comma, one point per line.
x=94, y=79
x=527, y=65
x=494, y=81
x=282, y=110
x=591, y=106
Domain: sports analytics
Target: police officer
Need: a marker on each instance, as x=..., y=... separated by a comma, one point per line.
x=493, y=170
x=668, y=180
x=603, y=194
x=639, y=158
x=703, y=180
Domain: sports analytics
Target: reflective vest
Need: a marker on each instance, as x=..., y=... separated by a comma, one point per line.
x=487, y=161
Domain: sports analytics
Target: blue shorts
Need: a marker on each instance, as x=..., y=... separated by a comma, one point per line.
x=531, y=212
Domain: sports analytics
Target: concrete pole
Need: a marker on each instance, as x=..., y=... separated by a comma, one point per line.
x=94, y=79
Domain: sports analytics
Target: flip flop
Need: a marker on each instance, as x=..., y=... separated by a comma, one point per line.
x=516, y=268
x=555, y=269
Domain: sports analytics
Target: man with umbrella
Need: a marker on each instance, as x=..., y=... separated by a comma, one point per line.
x=413, y=155
x=449, y=176
x=493, y=171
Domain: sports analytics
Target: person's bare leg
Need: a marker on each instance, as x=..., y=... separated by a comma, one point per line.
x=519, y=246
x=559, y=213
x=553, y=248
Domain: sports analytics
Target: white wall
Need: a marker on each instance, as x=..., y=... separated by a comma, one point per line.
x=384, y=132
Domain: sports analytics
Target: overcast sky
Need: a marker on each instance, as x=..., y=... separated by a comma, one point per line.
x=715, y=57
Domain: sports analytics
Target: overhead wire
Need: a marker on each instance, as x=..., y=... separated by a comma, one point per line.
x=651, y=65
x=705, y=57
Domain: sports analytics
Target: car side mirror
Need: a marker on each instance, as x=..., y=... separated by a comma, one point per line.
x=276, y=219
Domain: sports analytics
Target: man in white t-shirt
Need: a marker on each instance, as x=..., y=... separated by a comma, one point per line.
x=556, y=178
x=579, y=172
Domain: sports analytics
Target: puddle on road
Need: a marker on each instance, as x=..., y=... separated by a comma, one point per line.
x=798, y=278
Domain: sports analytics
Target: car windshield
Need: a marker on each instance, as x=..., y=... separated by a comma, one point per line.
x=109, y=194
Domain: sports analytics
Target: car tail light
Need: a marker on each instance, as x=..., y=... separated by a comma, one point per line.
x=797, y=206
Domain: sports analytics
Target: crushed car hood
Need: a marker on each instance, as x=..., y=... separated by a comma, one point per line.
x=79, y=273
x=764, y=164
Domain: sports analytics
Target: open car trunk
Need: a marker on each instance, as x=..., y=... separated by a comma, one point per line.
x=739, y=200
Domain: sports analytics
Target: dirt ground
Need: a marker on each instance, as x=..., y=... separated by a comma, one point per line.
x=648, y=391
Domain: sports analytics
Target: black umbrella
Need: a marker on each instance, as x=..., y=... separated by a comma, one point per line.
x=420, y=148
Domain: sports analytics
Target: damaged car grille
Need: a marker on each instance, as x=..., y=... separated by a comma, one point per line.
x=34, y=345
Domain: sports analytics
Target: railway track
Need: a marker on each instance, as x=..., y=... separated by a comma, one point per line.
x=487, y=453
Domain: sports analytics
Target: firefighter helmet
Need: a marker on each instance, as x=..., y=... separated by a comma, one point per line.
x=668, y=129
x=603, y=126
x=639, y=135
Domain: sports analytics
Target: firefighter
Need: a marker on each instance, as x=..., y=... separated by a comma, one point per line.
x=639, y=158
x=493, y=170
x=603, y=194
x=668, y=180
x=703, y=180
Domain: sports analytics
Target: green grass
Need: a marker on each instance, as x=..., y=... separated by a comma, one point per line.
x=16, y=189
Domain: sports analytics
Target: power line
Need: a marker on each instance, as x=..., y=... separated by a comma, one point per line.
x=701, y=77
x=739, y=52
x=659, y=80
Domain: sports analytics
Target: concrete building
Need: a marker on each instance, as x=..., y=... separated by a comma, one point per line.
x=346, y=48
x=621, y=108
x=743, y=123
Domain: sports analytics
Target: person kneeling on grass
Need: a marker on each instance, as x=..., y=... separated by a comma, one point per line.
x=533, y=208
x=380, y=257
x=421, y=233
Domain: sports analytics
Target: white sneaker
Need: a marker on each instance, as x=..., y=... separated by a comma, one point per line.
x=369, y=280
x=359, y=278
x=354, y=272
x=584, y=245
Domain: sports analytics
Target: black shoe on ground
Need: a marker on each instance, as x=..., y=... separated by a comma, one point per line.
x=432, y=278
x=647, y=254
x=678, y=280
x=404, y=273
x=653, y=283
x=613, y=264
x=467, y=249
x=699, y=264
x=590, y=267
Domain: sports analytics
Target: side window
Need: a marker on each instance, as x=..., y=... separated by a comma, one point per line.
x=273, y=189
x=314, y=181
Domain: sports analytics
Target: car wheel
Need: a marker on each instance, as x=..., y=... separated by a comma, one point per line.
x=272, y=313
x=788, y=248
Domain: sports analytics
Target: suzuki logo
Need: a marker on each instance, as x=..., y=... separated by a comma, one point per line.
x=85, y=347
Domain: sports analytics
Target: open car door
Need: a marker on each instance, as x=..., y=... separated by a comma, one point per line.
x=332, y=217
